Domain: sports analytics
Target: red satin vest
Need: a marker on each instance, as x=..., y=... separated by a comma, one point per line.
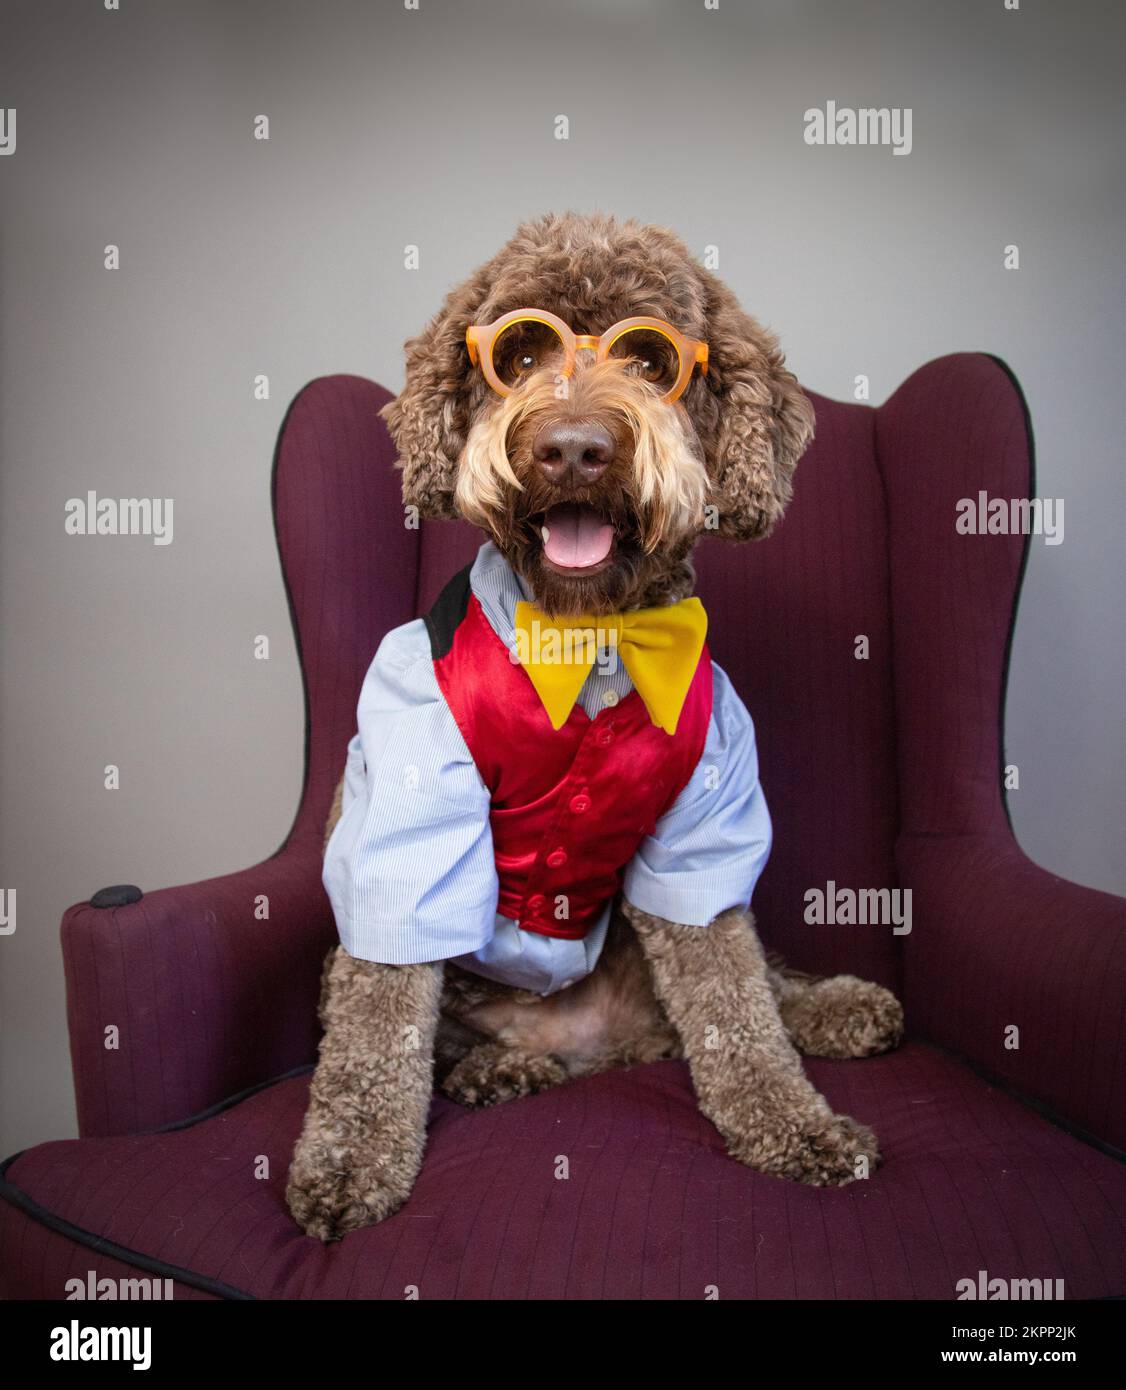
x=569, y=806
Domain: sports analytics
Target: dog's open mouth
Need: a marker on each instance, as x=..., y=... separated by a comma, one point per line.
x=576, y=537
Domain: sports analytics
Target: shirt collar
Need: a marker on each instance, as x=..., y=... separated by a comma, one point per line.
x=498, y=589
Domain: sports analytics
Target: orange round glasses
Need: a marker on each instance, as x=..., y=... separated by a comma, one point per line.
x=516, y=344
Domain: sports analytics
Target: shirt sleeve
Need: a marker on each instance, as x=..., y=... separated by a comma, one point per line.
x=709, y=848
x=409, y=868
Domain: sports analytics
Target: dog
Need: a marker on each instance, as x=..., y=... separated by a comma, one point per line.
x=593, y=400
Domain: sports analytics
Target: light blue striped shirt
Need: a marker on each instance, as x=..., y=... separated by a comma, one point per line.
x=409, y=868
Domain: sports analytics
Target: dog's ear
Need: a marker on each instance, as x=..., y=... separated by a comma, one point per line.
x=755, y=422
x=429, y=420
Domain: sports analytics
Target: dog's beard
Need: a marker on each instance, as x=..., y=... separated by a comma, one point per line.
x=606, y=587
x=652, y=494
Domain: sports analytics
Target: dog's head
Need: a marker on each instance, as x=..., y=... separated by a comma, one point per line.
x=594, y=465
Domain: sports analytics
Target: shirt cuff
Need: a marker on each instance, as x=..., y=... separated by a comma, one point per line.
x=690, y=904
x=395, y=942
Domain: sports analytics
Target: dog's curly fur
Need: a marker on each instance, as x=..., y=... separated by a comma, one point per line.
x=721, y=457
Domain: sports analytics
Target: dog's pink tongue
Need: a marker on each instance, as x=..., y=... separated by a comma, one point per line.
x=574, y=536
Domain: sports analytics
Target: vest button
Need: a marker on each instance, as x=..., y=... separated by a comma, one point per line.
x=535, y=902
x=604, y=737
x=579, y=804
x=557, y=858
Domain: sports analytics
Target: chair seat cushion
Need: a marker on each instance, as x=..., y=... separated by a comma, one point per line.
x=614, y=1186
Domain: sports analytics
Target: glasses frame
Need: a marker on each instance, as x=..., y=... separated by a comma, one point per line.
x=480, y=338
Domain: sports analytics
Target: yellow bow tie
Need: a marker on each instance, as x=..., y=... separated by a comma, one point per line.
x=659, y=647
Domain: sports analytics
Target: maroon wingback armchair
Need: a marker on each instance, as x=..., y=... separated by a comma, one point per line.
x=880, y=772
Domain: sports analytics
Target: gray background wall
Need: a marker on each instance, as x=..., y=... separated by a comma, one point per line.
x=434, y=127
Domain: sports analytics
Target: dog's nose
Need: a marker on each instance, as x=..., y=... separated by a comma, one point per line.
x=573, y=451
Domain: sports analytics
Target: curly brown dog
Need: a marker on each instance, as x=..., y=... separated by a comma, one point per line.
x=624, y=447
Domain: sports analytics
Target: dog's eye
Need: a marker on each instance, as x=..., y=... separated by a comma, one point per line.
x=514, y=365
x=523, y=347
x=650, y=355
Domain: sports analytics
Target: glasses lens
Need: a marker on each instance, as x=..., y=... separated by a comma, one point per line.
x=651, y=355
x=522, y=348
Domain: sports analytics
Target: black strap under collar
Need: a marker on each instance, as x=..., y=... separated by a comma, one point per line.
x=446, y=616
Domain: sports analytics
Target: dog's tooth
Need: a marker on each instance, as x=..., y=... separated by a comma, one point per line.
x=545, y=533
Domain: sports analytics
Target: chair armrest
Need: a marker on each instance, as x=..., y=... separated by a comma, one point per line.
x=999, y=942
x=207, y=997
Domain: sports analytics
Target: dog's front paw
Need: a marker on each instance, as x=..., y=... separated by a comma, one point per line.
x=838, y=1153
x=348, y=1172
x=328, y=1201
x=826, y=1151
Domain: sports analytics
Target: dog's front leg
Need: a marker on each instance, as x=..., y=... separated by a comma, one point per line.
x=712, y=982
x=365, y=1130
